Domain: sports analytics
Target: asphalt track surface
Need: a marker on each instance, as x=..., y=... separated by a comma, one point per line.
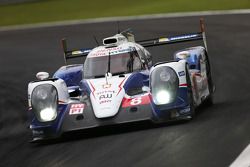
x=213, y=139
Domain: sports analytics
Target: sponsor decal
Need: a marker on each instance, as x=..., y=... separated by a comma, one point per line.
x=77, y=52
x=186, y=110
x=105, y=92
x=105, y=101
x=76, y=109
x=181, y=73
x=183, y=37
x=106, y=96
x=163, y=40
x=111, y=51
x=106, y=86
x=134, y=101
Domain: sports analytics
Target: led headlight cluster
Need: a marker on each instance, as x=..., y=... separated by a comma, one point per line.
x=44, y=102
x=162, y=97
x=164, y=85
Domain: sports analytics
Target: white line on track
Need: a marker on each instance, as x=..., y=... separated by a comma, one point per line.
x=243, y=160
x=123, y=18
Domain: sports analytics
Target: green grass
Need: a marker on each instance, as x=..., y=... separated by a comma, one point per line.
x=58, y=10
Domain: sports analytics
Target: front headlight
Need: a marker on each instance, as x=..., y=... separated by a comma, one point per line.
x=165, y=76
x=164, y=84
x=44, y=102
x=48, y=114
x=162, y=97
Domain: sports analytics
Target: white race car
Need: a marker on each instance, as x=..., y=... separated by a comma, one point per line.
x=118, y=83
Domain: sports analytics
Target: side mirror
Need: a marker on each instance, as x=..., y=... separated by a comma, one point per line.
x=145, y=89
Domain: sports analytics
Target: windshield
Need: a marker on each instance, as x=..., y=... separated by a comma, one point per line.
x=95, y=67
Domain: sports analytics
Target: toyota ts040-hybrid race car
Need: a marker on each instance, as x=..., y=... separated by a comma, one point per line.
x=118, y=83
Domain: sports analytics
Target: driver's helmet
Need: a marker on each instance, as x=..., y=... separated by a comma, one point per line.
x=137, y=63
x=145, y=58
x=134, y=62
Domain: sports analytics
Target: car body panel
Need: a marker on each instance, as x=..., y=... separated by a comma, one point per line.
x=87, y=100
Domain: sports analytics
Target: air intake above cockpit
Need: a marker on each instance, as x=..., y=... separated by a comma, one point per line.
x=115, y=40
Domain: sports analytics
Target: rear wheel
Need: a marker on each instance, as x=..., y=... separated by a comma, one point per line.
x=211, y=87
x=209, y=101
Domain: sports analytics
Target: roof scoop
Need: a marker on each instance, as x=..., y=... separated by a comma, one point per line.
x=115, y=40
x=42, y=75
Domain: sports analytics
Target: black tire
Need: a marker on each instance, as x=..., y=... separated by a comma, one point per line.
x=209, y=101
x=211, y=87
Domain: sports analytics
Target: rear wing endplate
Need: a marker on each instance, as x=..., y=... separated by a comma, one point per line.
x=70, y=54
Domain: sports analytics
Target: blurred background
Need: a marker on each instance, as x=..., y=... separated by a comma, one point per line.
x=14, y=12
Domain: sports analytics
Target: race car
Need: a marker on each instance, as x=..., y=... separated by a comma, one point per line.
x=118, y=83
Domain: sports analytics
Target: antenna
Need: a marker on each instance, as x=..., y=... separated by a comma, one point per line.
x=96, y=40
x=65, y=49
x=118, y=26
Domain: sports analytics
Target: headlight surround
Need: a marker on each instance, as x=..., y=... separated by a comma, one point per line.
x=164, y=84
x=44, y=100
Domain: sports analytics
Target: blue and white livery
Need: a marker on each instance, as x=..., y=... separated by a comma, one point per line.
x=118, y=83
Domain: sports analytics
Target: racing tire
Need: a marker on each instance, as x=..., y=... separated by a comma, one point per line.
x=209, y=101
x=211, y=87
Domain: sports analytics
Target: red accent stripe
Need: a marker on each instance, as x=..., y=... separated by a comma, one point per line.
x=183, y=85
x=120, y=86
x=197, y=74
x=62, y=102
x=92, y=88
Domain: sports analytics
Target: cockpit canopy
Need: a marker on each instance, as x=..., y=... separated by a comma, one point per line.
x=96, y=66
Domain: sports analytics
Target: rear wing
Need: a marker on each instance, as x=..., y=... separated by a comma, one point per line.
x=177, y=39
x=70, y=54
